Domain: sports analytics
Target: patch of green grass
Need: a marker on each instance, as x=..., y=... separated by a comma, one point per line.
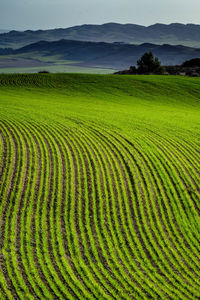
x=99, y=186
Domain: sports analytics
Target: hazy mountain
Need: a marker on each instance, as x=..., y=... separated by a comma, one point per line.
x=175, y=34
x=3, y=31
x=112, y=55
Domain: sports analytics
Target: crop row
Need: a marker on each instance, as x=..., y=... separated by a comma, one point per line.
x=88, y=213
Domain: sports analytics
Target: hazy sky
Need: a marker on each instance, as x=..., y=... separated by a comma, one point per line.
x=35, y=14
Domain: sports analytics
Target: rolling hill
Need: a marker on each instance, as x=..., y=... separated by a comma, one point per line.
x=174, y=34
x=92, y=54
x=99, y=187
x=3, y=31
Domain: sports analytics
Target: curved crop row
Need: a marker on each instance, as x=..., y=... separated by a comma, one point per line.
x=87, y=213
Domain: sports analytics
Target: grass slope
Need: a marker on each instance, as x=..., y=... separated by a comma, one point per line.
x=99, y=187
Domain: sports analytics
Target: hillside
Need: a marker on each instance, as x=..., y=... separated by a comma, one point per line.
x=174, y=34
x=90, y=54
x=3, y=31
x=99, y=187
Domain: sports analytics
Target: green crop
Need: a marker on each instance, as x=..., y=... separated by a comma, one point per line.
x=99, y=187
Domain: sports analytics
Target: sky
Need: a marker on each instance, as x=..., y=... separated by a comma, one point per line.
x=43, y=14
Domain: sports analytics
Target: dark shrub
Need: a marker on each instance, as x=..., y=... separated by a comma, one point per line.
x=43, y=72
x=195, y=62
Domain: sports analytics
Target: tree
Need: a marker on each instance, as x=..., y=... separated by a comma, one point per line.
x=149, y=64
x=195, y=62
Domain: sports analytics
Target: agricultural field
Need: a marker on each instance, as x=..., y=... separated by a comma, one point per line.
x=57, y=69
x=99, y=187
x=35, y=62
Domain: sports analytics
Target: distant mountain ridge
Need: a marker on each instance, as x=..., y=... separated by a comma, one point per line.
x=110, y=55
x=3, y=31
x=174, y=34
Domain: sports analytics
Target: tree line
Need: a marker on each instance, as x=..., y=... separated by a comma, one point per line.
x=148, y=64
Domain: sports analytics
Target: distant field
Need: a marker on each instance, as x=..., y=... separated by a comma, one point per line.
x=56, y=69
x=24, y=64
x=99, y=187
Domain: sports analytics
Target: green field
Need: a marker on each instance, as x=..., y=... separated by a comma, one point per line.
x=99, y=187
